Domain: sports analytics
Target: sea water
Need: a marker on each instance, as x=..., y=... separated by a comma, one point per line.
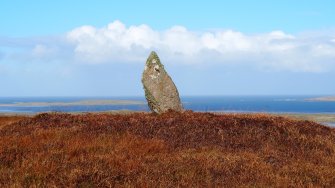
x=237, y=104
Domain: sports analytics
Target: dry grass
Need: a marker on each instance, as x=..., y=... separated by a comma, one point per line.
x=6, y=120
x=168, y=150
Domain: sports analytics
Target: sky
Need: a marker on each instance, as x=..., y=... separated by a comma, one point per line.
x=99, y=48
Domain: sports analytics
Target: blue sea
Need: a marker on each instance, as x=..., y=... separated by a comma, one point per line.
x=236, y=104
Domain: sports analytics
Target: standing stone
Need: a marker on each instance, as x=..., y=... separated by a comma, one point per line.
x=161, y=93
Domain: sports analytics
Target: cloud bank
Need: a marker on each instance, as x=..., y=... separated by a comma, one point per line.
x=117, y=43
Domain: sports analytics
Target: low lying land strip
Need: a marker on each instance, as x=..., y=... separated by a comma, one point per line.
x=78, y=103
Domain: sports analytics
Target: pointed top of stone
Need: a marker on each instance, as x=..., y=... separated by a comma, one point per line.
x=152, y=55
x=153, y=59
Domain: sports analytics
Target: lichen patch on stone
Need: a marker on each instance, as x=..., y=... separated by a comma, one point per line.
x=153, y=76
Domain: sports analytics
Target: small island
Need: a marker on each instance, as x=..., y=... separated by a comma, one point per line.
x=326, y=99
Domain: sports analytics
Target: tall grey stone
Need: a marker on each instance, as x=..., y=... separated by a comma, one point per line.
x=160, y=91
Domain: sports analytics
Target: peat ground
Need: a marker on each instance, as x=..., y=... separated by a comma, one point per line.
x=173, y=149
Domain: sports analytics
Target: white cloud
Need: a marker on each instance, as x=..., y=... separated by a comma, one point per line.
x=114, y=42
x=102, y=43
x=117, y=43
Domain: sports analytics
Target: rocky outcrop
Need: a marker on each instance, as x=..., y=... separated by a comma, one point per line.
x=160, y=91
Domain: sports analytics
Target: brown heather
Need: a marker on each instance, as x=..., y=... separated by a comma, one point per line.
x=168, y=150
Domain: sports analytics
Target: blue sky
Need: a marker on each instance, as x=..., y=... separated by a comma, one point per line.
x=38, y=17
x=98, y=48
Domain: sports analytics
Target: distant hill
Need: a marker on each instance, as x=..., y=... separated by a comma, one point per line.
x=169, y=150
